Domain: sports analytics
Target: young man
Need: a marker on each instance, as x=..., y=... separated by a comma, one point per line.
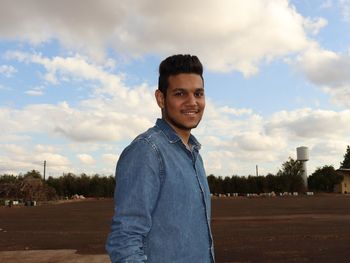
x=162, y=198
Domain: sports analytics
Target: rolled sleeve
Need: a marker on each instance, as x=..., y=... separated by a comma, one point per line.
x=137, y=188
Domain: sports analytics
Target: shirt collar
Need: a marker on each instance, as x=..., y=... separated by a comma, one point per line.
x=172, y=135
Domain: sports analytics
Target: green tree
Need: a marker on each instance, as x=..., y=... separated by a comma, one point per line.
x=83, y=185
x=211, y=182
x=261, y=184
x=346, y=162
x=271, y=183
x=69, y=182
x=291, y=179
x=97, y=188
x=242, y=185
x=57, y=184
x=33, y=173
x=227, y=185
x=9, y=186
x=215, y=184
x=110, y=185
x=252, y=183
x=324, y=179
x=7, y=178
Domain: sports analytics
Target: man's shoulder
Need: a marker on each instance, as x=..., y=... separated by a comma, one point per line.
x=145, y=144
x=151, y=138
x=152, y=135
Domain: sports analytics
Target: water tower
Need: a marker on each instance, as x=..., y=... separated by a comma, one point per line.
x=303, y=157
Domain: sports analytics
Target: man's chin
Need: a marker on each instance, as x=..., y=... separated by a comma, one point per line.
x=186, y=127
x=183, y=125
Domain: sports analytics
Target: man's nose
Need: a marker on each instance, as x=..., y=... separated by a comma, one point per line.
x=191, y=100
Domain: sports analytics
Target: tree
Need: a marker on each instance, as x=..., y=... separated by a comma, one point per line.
x=9, y=186
x=346, y=162
x=272, y=183
x=227, y=185
x=324, y=179
x=291, y=179
x=252, y=184
x=211, y=182
x=215, y=184
x=69, y=182
x=34, y=174
x=241, y=184
x=34, y=188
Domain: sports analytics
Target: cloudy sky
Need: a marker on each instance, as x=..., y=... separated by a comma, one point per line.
x=77, y=80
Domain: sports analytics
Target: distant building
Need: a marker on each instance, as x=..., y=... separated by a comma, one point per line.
x=344, y=186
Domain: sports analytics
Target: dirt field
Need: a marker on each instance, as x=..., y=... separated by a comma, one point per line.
x=280, y=229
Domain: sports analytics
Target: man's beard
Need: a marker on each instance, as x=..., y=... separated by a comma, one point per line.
x=178, y=124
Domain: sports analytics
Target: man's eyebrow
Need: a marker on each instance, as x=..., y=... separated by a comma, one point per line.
x=186, y=90
x=178, y=89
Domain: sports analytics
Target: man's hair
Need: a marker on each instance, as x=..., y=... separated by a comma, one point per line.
x=177, y=64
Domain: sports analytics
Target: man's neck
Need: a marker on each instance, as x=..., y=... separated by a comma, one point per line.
x=183, y=134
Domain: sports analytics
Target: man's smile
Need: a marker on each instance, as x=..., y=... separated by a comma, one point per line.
x=190, y=112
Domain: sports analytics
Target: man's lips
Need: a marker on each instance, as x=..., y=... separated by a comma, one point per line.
x=190, y=112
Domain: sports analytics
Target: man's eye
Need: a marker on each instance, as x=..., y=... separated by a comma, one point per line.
x=199, y=94
x=179, y=93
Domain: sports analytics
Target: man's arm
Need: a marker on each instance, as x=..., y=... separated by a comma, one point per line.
x=137, y=188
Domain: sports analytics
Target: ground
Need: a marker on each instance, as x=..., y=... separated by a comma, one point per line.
x=271, y=229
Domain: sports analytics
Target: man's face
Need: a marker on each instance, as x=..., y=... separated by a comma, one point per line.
x=184, y=103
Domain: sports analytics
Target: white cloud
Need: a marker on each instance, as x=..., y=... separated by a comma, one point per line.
x=7, y=70
x=52, y=159
x=86, y=159
x=310, y=124
x=327, y=4
x=328, y=70
x=15, y=159
x=36, y=91
x=325, y=67
x=219, y=162
x=236, y=112
x=76, y=67
x=245, y=35
x=110, y=159
x=232, y=144
x=220, y=42
x=46, y=148
x=345, y=8
x=14, y=138
x=113, y=112
x=323, y=151
x=92, y=26
x=82, y=125
x=315, y=25
x=80, y=24
x=254, y=142
x=237, y=145
x=12, y=149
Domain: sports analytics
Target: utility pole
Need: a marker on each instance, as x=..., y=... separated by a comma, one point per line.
x=44, y=169
x=257, y=170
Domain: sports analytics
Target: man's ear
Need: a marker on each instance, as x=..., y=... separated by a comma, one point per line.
x=160, y=98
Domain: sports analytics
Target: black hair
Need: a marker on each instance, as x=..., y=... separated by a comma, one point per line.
x=177, y=64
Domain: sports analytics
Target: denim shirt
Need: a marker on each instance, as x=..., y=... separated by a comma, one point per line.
x=162, y=202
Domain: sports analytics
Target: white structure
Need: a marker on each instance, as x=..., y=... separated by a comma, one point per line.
x=303, y=157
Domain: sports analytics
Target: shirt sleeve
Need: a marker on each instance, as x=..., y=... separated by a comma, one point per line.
x=136, y=193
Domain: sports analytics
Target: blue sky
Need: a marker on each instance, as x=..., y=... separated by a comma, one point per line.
x=77, y=80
